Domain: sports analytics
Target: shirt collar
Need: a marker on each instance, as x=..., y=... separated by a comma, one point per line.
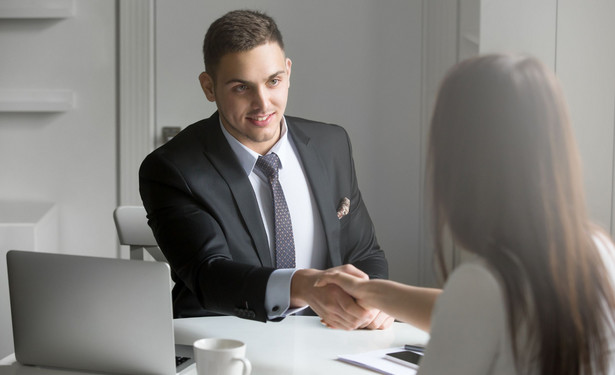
x=247, y=157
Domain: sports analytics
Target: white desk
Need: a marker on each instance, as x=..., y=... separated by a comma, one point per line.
x=295, y=346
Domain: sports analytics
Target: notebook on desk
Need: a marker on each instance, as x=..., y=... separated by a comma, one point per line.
x=93, y=314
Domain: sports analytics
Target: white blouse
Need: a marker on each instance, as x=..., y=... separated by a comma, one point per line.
x=469, y=329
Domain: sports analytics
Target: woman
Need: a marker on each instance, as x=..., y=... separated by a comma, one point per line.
x=538, y=296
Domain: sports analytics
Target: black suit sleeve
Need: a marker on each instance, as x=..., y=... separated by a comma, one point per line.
x=190, y=234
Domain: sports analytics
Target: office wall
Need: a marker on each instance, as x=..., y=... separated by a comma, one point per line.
x=356, y=63
x=586, y=67
x=66, y=158
x=575, y=40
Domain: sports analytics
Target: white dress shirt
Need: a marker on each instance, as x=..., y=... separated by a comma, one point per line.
x=308, y=231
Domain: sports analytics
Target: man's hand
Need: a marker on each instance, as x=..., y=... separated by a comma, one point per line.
x=336, y=308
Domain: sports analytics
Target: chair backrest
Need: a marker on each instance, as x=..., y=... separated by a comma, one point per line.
x=132, y=230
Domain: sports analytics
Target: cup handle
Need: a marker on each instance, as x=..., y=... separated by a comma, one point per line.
x=247, y=366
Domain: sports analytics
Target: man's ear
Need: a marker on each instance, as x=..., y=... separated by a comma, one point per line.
x=207, y=84
x=289, y=64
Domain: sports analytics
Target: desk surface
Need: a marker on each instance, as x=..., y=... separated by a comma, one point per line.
x=296, y=345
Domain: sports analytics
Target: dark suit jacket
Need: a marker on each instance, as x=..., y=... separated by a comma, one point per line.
x=205, y=217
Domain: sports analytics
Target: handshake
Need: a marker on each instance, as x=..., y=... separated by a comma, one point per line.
x=330, y=294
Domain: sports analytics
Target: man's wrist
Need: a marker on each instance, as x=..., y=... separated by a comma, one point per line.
x=301, y=282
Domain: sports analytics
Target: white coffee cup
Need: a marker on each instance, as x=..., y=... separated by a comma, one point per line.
x=221, y=357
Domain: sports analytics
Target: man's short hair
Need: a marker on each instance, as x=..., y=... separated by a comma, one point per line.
x=238, y=31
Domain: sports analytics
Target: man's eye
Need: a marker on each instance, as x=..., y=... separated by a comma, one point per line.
x=274, y=82
x=240, y=88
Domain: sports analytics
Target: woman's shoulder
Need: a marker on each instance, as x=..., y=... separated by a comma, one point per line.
x=472, y=290
x=604, y=242
x=605, y=247
x=474, y=274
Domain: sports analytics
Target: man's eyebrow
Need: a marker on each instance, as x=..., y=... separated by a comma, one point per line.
x=244, y=82
x=236, y=80
x=278, y=73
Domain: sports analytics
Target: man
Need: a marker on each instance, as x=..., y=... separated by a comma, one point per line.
x=249, y=206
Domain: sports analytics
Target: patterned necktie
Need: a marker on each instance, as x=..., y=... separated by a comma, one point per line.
x=284, y=240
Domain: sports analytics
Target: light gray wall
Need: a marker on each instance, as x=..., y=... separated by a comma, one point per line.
x=586, y=67
x=356, y=63
x=575, y=40
x=66, y=158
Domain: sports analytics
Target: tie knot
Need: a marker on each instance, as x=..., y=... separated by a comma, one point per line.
x=269, y=165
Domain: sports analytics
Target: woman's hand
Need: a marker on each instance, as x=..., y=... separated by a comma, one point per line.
x=350, y=280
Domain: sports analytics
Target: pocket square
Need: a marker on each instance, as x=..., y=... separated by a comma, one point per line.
x=343, y=208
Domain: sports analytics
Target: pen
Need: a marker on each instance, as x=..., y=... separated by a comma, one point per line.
x=416, y=348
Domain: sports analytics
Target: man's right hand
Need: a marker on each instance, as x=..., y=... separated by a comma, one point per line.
x=336, y=308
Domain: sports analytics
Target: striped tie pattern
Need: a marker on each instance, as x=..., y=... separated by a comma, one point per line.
x=284, y=240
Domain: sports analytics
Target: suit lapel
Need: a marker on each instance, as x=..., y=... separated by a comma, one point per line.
x=221, y=156
x=317, y=171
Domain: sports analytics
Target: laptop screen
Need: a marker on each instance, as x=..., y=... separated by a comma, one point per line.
x=88, y=313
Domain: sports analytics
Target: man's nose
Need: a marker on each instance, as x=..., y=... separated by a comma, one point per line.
x=261, y=98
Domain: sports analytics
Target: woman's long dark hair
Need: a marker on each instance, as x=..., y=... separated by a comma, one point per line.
x=506, y=181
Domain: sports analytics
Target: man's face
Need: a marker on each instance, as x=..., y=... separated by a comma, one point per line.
x=250, y=91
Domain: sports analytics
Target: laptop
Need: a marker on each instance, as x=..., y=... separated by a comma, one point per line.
x=93, y=314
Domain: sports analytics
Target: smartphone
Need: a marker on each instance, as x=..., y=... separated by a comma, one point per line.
x=406, y=358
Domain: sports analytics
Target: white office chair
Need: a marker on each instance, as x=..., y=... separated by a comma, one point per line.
x=132, y=230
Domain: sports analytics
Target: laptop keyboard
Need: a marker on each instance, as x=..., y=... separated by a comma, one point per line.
x=180, y=360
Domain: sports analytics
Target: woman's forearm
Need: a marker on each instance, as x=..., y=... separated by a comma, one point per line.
x=407, y=303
